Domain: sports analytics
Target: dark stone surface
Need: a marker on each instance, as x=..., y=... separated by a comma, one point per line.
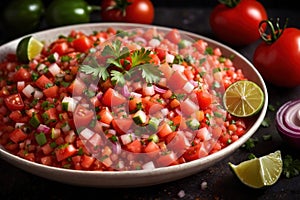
x=221, y=182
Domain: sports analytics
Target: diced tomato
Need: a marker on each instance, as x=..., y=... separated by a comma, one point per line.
x=164, y=130
x=43, y=81
x=105, y=116
x=51, y=92
x=133, y=103
x=82, y=116
x=151, y=147
x=61, y=48
x=135, y=146
x=122, y=125
x=64, y=151
x=177, y=80
x=77, y=87
x=112, y=98
x=22, y=75
x=87, y=161
x=50, y=116
x=17, y=136
x=188, y=107
x=14, y=102
x=166, y=159
x=204, y=99
x=194, y=152
x=174, y=36
x=82, y=44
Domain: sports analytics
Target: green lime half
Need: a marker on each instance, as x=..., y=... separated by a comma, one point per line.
x=243, y=98
x=28, y=48
x=259, y=172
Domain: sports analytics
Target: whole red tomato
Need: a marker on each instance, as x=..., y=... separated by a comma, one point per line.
x=236, y=22
x=277, y=57
x=132, y=11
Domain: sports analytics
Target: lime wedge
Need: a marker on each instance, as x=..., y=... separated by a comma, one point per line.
x=28, y=48
x=259, y=172
x=243, y=98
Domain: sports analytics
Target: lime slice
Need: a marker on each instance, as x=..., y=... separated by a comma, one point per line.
x=243, y=98
x=28, y=48
x=259, y=172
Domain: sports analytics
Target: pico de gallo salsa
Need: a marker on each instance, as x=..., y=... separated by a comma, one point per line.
x=142, y=100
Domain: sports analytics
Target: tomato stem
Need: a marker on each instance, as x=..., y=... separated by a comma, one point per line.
x=274, y=29
x=230, y=3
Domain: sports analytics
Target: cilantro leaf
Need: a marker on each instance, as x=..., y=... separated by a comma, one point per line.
x=117, y=77
x=140, y=56
x=99, y=72
x=291, y=166
x=115, y=51
x=150, y=73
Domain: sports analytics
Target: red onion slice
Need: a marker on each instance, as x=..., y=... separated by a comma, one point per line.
x=287, y=121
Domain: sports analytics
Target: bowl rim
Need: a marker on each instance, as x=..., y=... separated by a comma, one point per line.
x=217, y=156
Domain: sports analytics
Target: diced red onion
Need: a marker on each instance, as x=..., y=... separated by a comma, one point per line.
x=188, y=87
x=125, y=91
x=177, y=67
x=112, y=132
x=86, y=133
x=154, y=42
x=19, y=124
x=169, y=58
x=43, y=128
x=148, y=90
x=41, y=68
x=126, y=138
x=148, y=166
x=93, y=87
x=54, y=69
x=159, y=89
x=116, y=148
x=140, y=39
x=134, y=94
x=38, y=94
x=99, y=95
x=28, y=91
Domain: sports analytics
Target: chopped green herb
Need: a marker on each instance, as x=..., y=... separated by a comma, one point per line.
x=267, y=137
x=266, y=122
x=291, y=166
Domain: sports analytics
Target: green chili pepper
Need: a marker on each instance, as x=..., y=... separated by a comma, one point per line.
x=62, y=12
x=20, y=17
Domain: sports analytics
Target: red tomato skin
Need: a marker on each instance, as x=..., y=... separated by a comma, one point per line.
x=82, y=116
x=14, y=102
x=22, y=75
x=139, y=11
x=238, y=26
x=279, y=62
x=82, y=44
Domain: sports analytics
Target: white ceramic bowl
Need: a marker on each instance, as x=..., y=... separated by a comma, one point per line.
x=141, y=177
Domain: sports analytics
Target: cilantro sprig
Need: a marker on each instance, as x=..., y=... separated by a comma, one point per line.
x=114, y=54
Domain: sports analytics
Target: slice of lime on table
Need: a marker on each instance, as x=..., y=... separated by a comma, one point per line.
x=259, y=172
x=28, y=48
x=243, y=98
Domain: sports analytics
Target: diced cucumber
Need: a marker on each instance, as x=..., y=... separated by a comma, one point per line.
x=153, y=123
x=140, y=117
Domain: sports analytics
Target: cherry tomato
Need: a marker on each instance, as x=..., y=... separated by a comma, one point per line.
x=237, y=23
x=277, y=58
x=14, y=102
x=133, y=11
